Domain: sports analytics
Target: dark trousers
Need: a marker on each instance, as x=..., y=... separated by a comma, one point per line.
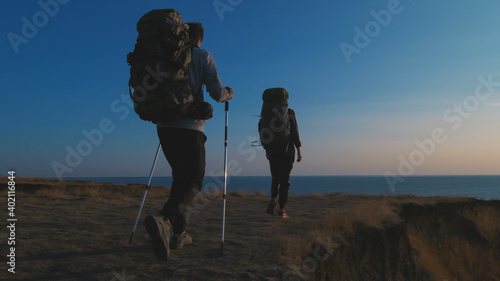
x=185, y=152
x=281, y=163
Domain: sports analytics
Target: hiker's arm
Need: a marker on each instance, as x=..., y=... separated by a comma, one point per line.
x=211, y=79
x=299, y=154
x=294, y=129
x=294, y=133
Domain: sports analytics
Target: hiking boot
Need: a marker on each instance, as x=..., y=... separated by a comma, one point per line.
x=179, y=240
x=159, y=230
x=270, y=207
x=282, y=213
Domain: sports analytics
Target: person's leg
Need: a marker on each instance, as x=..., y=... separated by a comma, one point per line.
x=185, y=152
x=274, y=164
x=274, y=167
x=285, y=167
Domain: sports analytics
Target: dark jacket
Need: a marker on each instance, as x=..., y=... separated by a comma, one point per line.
x=294, y=129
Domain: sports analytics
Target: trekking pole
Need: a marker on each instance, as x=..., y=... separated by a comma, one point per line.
x=225, y=182
x=145, y=193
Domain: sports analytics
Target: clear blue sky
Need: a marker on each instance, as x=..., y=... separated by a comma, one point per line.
x=379, y=87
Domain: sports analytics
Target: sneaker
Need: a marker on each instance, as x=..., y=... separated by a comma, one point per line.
x=270, y=207
x=179, y=240
x=159, y=230
x=282, y=214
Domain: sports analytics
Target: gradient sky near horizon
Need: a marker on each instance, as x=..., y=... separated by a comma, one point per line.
x=406, y=87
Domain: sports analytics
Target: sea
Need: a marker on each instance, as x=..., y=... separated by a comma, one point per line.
x=478, y=186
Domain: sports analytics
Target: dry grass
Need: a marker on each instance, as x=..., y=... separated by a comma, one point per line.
x=240, y=194
x=372, y=238
x=260, y=193
x=34, y=187
x=448, y=238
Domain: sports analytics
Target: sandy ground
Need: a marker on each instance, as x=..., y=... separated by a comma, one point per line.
x=80, y=231
x=68, y=237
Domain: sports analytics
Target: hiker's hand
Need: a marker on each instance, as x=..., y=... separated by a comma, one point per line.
x=299, y=155
x=230, y=93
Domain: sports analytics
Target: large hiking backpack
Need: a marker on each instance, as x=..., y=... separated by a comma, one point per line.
x=159, y=69
x=274, y=125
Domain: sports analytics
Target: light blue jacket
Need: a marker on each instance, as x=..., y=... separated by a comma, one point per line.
x=202, y=72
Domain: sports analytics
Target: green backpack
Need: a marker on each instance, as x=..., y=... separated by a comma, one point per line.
x=274, y=125
x=159, y=69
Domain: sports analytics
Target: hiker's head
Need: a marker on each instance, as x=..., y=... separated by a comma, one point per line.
x=196, y=32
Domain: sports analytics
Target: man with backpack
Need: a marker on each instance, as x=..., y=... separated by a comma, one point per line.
x=182, y=137
x=279, y=135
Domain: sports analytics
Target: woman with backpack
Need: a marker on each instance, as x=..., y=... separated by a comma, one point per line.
x=279, y=135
